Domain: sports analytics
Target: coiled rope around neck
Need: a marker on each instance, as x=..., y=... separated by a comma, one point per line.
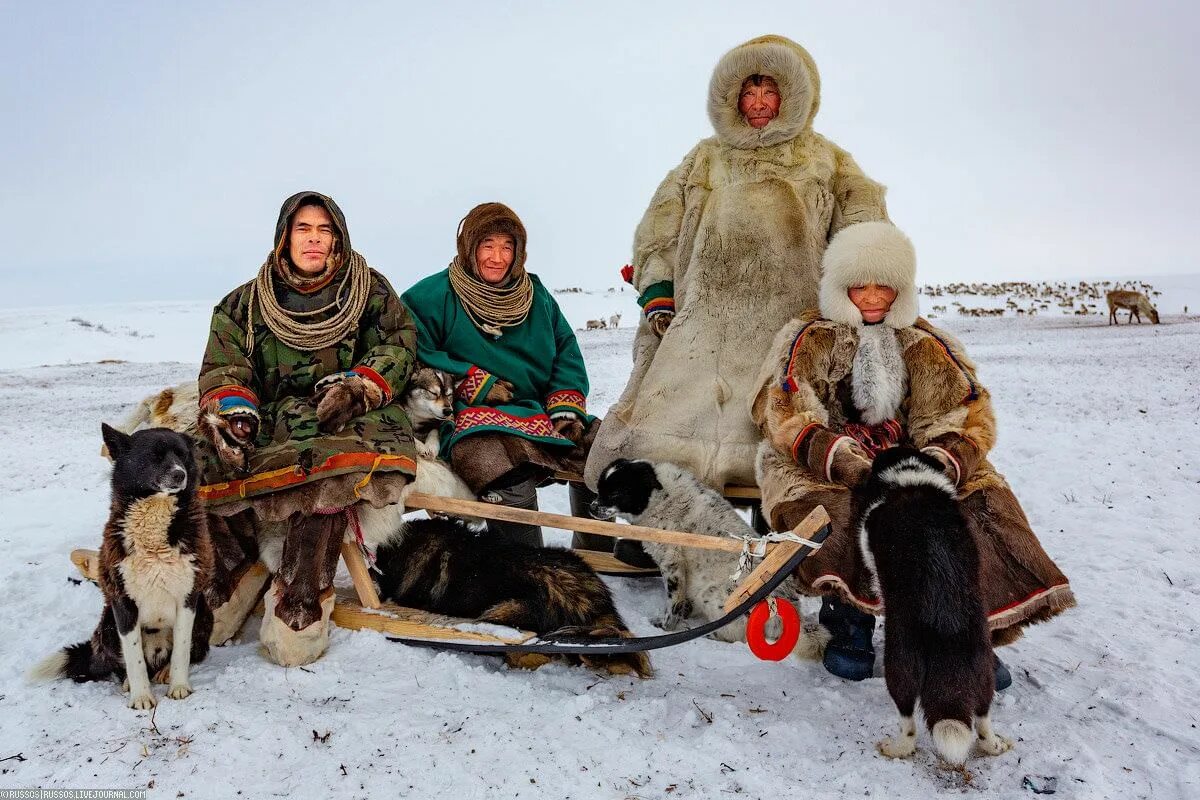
x=492, y=308
x=292, y=327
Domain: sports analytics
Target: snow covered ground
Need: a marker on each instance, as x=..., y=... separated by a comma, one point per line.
x=1099, y=431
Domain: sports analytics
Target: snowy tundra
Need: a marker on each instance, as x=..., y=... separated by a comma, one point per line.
x=1099, y=435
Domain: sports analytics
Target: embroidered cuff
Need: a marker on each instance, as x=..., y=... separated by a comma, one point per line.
x=566, y=402
x=368, y=374
x=834, y=446
x=232, y=399
x=798, y=442
x=659, y=298
x=475, y=386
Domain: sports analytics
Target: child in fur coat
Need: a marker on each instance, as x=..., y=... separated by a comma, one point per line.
x=862, y=374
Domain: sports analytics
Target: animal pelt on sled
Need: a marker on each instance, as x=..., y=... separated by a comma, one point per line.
x=916, y=541
x=157, y=570
x=177, y=408
x=440, y=565
x=661, y=495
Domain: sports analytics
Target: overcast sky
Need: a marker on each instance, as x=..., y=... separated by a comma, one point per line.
x=146, y=147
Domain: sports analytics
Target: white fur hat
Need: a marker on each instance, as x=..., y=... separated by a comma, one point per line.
x=869, y=252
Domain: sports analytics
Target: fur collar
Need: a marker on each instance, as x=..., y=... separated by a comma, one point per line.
x=869, y=252
x=879, y=378
x=799, y=87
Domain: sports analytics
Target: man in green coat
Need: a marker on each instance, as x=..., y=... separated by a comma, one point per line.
x=296, y=411
x=521, y=402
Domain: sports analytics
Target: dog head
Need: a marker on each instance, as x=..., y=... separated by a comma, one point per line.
x=624, y=489
x=149, y=462
x=906, y=466
x=429, y=396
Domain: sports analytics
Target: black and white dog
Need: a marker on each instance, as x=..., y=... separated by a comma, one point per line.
x=661, y=495
x=937, y=649
x=156, y=563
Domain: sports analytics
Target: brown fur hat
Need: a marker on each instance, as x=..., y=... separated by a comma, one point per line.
x=482, y=221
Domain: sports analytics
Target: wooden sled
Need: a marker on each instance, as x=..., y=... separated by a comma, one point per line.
x=362, y=608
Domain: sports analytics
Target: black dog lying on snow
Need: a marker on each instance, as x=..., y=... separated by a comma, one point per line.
x=937, y=648
x=440, y=565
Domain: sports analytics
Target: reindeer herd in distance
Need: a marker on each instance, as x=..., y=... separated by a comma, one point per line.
x=1024, y=298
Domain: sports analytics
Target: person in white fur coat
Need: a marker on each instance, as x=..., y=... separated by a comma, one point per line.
x=728, y=251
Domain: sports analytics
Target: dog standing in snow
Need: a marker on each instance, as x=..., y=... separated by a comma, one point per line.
x=937, y=648
x=156, y=563
x=661, y=495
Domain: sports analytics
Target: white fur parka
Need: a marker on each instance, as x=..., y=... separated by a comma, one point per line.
x=732, y=242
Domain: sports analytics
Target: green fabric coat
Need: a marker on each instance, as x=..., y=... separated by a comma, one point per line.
x=278, y=380
x=540, y=357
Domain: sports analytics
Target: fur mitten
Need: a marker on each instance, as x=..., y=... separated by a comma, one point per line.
x=500, y=393
x=231, y=432
x=341, y=397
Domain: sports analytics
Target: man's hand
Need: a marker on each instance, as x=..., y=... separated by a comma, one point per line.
x=660, y=322
x=569, y=427
x=500, y=394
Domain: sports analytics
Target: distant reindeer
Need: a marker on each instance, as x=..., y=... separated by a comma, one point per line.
x=614, y=321
x=1135, y=302
x=596, y=324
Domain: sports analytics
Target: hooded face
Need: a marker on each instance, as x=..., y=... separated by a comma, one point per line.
x=491, y=243
x=494, y=256
x=311, y=239
x=872, y=300
x=309, y=221
x=759, y=102
x=868, y=276
x=765, y=118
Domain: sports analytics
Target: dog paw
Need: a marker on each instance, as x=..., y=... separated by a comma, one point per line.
x=425, y=451
x=142, y=702
x=179, y=691
x=163, y=676
x=995, y=745
x=901, y=747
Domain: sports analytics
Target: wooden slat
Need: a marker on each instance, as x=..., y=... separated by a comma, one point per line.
x=608, y=564
x=356, y=565
x=474, y=508
x=400, y=621
x=731, y=491
x=776, y=558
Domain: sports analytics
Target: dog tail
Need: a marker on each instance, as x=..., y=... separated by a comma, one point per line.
x=953, y=739
x=619, y=664
x=73, y=661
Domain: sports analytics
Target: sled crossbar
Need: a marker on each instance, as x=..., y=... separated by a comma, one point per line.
x=474, y=508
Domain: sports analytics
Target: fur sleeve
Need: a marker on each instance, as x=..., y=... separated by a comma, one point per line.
x=857, y=198
x=655, y=258
x=787, y=407
x=948, y=408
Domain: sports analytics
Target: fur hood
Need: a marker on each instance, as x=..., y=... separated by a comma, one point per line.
x=869, y=252
x=799, y=88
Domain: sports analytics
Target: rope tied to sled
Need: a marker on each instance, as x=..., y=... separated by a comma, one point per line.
x=756, y=547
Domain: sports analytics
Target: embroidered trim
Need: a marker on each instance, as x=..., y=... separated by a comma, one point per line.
x=567, y=400
x=292, y=476
x=485, y=416
x=475, y=385
x=787, y=382
x=663, y=305
x=800, y=437
x=362, y=370
x=662, y=290
x=229, y=390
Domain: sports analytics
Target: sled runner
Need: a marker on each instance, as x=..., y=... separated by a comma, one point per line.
x=362, y=609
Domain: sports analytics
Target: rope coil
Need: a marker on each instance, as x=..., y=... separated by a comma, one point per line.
x=293, y=328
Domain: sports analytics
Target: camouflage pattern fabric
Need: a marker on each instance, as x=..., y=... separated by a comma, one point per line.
x=290, y=451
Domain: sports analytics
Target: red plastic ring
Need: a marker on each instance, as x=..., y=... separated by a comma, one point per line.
x=756, y=628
